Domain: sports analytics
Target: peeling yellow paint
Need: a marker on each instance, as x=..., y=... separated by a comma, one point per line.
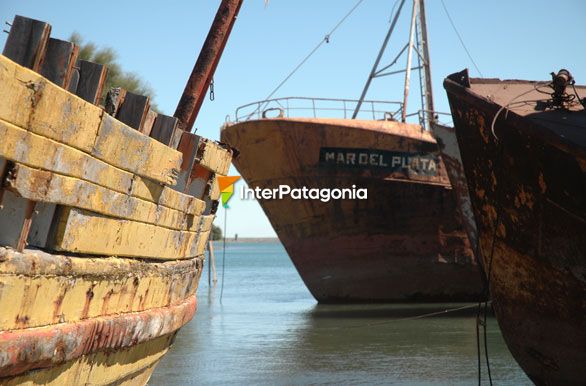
x=17, y=92
x=101, y=368
x=165, y=196
x=128, y=149
x=31, y=102
x=215, y=192
x=81, y=231
x=39, y=289
x=215, y=157
x=43, y=153
x=44, y=186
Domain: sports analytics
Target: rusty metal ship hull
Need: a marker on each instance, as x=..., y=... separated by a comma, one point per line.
x=526, y=175
x=403, y=243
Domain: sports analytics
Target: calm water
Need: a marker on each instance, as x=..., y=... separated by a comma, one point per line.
x=269, y=330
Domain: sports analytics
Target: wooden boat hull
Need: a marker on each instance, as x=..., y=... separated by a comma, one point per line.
x=403, y=243
x=528, y=192
x=101, y=250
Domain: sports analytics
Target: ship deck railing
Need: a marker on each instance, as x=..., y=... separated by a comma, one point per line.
x=292, y=107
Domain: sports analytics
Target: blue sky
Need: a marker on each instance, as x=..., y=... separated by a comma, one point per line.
x=160, y=41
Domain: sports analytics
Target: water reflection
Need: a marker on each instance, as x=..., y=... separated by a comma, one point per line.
x=268, y=330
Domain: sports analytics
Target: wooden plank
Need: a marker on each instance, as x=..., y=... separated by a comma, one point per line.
x=59, y=61
x=205, y=228
x=166, y=196
x=27, y=42
x=40, y=152
x=30, y=101
x=119, y=285
x=44, y=186
x=166, y=130
x=20, y=88
x=214, y=156
x=206, y=223
x=130, y=150
x=92, y=77
x=188, y=146
x=212, y=196
x=133, y=110
x=63, y=117
x=74, y=81
x=214, y=189
x=80, y=231
x=149, y=121
x=26, y=227
x=114, y=100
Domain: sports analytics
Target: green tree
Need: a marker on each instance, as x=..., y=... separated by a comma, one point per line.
x=116, y=76
x=216, y=233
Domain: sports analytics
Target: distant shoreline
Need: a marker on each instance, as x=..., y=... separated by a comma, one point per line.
x=249, y=240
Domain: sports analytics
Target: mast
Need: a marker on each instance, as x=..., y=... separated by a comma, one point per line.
x=377, y=61
x=416, y=45
x=206, y=63
x=409, y=58
x=424, y=45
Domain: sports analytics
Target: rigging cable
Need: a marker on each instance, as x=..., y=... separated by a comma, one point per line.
x=326, y=39
x=460, y=38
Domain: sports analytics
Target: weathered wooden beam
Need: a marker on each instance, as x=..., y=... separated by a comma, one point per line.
x=74, y=80
x=27, y=42
x=212, y=196
x=205, y=228
x=166, y=196
x=130, y=150
x=59, y=61
x=214, y=156
x=92, y=77
x=166, y=130
x=188, y=146
x=149, y=121
x=133, y=110
x=114, y=100
x=29, y=101
x=26, y=226
x=35, y=151
x=118, y=286
x=80, y=231
x=48, y=187
x=39, y=152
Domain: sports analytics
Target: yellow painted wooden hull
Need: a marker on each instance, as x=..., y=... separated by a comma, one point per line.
x=100, y=254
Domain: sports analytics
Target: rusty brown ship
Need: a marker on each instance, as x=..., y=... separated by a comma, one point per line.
x=523, y=150
x=405, y=242
x=105, y=213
